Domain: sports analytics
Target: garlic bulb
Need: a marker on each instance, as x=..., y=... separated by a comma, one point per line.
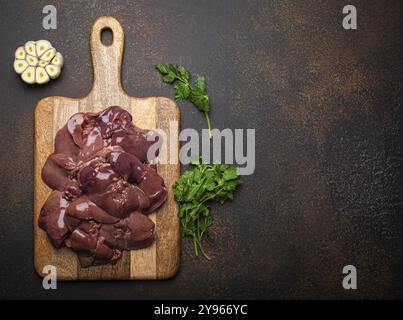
x=38, y=62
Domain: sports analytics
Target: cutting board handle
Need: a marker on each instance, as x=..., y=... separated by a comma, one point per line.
x=107, y=59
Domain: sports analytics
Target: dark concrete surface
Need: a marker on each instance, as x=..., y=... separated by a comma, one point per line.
x=326, y=104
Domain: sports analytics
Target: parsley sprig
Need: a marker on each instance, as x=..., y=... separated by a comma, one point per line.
x=195, y=190
x=184, y=90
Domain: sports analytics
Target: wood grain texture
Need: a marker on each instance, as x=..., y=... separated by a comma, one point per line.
x=160, y=260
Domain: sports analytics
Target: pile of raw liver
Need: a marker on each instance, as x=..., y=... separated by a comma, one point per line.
x=103, y=187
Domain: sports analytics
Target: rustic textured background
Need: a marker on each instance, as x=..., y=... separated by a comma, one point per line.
x=326, y=104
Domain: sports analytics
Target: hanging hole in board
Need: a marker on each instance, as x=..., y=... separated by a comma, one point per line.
x=106, y=36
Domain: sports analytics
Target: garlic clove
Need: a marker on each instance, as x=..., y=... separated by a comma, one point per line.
x=20, y=53
x=30, y=48
x=41, y=75
x=43, y=63
x=42, y=46
x=49, y=54
x=58, y=60
x=53, y=71
x=28, y=75
x=32, y=61
x=20, y=65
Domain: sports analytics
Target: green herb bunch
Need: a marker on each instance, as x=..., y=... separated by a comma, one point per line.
x=195, y=190
x=184, y=90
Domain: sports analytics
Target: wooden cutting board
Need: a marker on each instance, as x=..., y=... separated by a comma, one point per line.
x=159, y=261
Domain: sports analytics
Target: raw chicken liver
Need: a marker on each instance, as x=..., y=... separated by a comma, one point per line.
x=104, y=187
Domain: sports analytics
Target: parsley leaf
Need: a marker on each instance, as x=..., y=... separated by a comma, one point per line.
x=197, y=93
x=200, y=99
x=163, y=68
x=169, y=78
x=195, y=190
x=200, y=83
x=182, y=91
x=185, y=74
